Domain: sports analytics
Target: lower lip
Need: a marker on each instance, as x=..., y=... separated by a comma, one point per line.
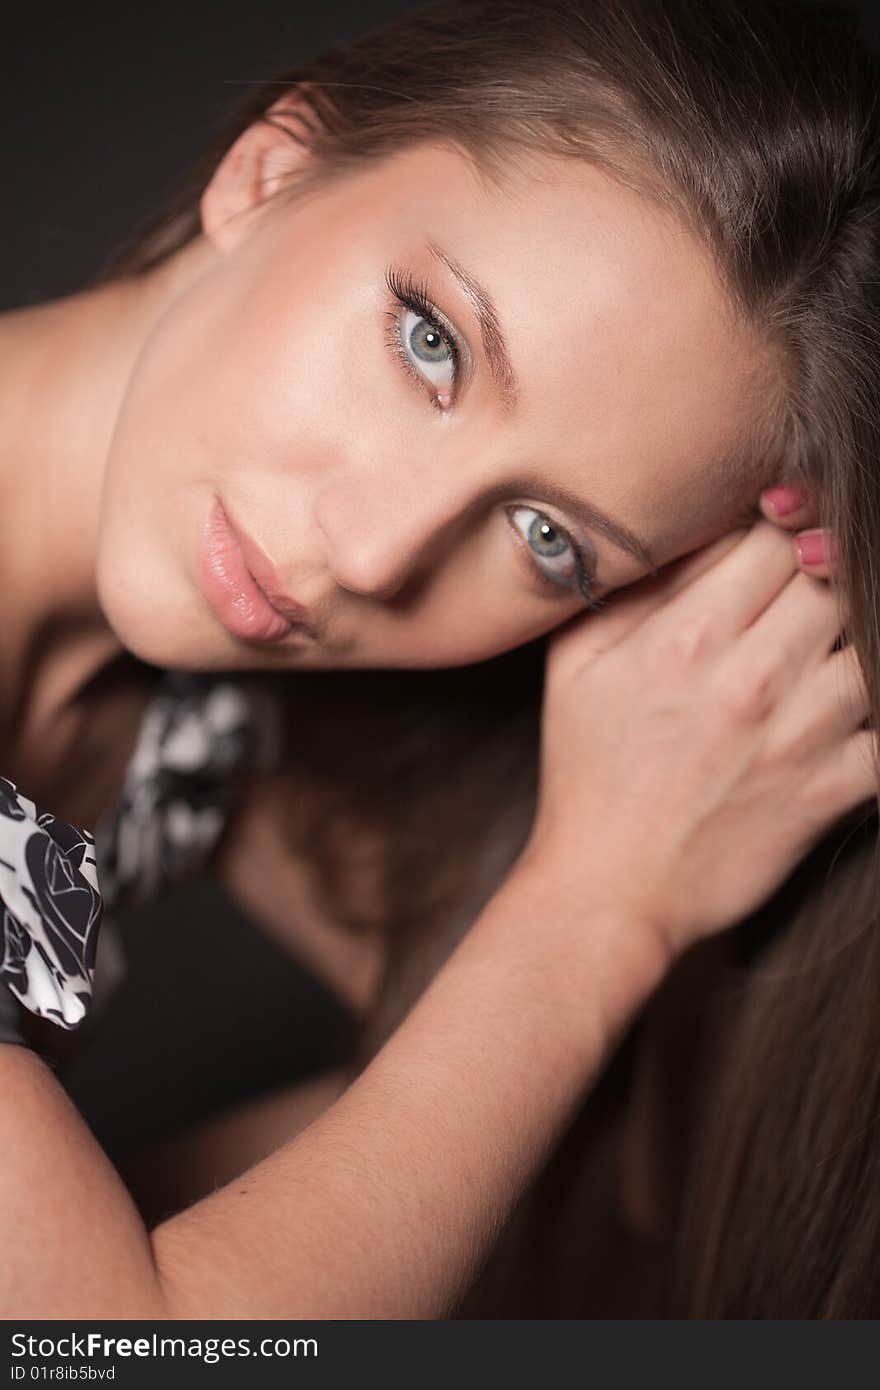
x=231, y=589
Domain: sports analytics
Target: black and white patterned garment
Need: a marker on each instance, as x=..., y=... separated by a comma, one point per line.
x=200, y=735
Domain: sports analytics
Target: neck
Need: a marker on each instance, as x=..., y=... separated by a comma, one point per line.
x=64, y=370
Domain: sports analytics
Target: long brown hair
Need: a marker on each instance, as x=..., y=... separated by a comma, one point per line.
x=727, y=1163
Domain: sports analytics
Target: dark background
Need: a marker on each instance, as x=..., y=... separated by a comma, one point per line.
x=102, y=112
x=103, y=109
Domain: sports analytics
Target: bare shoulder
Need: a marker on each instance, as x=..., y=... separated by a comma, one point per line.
x=276, y=888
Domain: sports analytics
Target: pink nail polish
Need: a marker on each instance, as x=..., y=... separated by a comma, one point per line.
x=816, y=547
x=783, y=500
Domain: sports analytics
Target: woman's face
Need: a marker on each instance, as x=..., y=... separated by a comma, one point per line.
x=422, y=483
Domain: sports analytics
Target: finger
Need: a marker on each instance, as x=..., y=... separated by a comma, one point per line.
x=585, y=635
x=687, y=568
x=850, y=773
x=735, y=591
x=843, y=690
x=816, y=552
x=795, y=632
x=828, y=707
x=791, y=506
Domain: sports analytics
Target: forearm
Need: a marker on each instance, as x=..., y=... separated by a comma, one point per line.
x=172, y=1174
x=384, y=1205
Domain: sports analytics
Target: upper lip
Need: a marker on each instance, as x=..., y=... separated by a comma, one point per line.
x=266, y=576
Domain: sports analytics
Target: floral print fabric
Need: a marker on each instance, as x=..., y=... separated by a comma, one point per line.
x=51, y=908
x=199, y=737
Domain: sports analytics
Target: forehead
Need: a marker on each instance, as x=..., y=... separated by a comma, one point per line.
x=635, y=374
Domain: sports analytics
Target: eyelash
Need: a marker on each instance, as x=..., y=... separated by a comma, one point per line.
x=414, y=295
x=584, y=582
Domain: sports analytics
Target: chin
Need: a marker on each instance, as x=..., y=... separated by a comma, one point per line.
x=154, y=617
x=161, y=645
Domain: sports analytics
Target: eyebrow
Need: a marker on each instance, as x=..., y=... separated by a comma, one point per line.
x=508, y=386
x=506, y=381
x=582, y=511
x=491, y=332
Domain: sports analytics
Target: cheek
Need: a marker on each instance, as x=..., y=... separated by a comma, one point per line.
x=302, y=342
x=702, y=529
x=447, y=642
x=250, y=366
x=475, y=607
x=234, y=392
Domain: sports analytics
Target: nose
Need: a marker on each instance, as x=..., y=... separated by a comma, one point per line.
x=380, y=533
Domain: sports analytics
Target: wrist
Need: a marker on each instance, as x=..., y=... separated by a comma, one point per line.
x=599, y=960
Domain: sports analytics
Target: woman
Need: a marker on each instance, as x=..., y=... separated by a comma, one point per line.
x=478, y=471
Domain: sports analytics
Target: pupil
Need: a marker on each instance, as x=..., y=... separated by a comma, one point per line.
x=543, y=534
x=426, y=340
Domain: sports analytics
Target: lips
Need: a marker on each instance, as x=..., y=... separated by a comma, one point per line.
x=233, y=571
x=263, y=571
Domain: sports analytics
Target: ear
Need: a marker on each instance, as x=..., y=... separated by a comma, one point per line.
x=263, y=157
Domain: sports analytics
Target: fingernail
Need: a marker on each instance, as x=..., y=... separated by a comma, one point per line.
x=816, y=547
x=783, y=500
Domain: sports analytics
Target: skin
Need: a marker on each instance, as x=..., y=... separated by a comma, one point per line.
x=254, y=366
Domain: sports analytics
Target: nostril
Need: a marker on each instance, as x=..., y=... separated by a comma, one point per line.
x=365, y=567
x=370, y=547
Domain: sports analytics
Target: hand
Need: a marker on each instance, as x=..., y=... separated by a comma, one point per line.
x=794, y=508
x=699, y=735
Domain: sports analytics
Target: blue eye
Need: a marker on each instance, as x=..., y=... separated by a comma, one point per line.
x=434, y=355
x=554, y=551
x=422, y=340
